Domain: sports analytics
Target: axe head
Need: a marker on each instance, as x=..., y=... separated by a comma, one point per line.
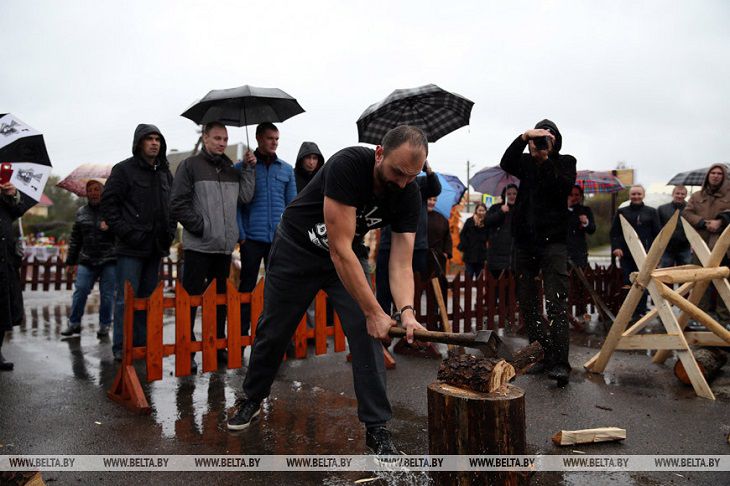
x=490, y=344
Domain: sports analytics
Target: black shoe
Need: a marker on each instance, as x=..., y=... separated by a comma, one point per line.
x=103, y=332
x=222, y=355
x=561, y=374
x=380, y=442
x=247, y=411
x=5, y=365
x=71, y=330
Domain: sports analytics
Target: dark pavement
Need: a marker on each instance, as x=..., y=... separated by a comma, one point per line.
x=55, y=403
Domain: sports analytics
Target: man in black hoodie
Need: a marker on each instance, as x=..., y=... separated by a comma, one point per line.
x=539, y=224
x=136, y=206
x=309, y=161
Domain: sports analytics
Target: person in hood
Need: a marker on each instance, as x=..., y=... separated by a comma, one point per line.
x=136, y=206
x=309, y=161
x=539, y=225
x=499, y=227
x=645, y=221
x=678, y=251
x=91, y=257
x=708, y=210
x=580, y=225
x=205, y=195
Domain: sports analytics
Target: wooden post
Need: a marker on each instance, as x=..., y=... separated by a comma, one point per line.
x=474, y=423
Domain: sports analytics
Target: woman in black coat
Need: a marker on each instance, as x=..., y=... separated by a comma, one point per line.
x=580, y=224
x=473, y=242
x=12, y=207
x=499, y=224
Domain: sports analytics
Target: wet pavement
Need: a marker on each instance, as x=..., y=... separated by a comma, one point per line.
x=55, y=403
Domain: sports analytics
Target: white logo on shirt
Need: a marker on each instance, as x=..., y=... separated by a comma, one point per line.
x=318, y=236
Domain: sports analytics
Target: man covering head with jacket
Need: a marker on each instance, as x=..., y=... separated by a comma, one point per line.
x=135, y=205
x=539, y=224
x=204, y=199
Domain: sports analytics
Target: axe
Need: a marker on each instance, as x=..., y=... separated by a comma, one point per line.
x=485, y=341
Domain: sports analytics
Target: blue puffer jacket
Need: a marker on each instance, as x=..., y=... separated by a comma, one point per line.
x=275, y=189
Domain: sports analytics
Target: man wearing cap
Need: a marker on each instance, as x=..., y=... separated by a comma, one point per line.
x=91, y=257
x=539, y=225
x=136, y=206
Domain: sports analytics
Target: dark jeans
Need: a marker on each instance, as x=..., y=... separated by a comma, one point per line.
x=199, y=270
x=554, y=336
x=627, y=267
x=293, y=278
x=473, y=269
x=251, y=254
x=143, y=274
x=382, y=278
x=675, y=258
x=86, y=276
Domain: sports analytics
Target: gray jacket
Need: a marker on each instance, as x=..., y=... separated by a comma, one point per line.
x=205, y=193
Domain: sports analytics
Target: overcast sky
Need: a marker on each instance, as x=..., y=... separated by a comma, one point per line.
x=645, y=83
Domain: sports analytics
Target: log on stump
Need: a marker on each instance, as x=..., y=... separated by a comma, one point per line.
x=710, y=361
x=474, y=423
x=477, y=374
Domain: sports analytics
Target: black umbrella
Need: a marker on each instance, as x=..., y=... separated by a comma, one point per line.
x=432, y=109
x=691, y=177
x=24, y=148
x=243, y=106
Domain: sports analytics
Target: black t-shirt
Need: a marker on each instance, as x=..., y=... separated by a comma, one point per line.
x=347, y=177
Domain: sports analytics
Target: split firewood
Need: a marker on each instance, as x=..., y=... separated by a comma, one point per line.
x=589, y=436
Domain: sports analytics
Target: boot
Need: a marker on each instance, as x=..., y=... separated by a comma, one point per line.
x=71, y=330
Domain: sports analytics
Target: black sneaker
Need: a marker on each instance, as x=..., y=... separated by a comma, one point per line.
x=71, y=330
x=247, y=411
x=561, y=374
x=380, y=442
x=103, y=332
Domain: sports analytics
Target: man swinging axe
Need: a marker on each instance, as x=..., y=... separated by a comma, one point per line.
x=318, y=246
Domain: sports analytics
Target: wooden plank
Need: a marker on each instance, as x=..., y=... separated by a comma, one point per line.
x=589, y=436
x=339, y=335
x=154, y=334
x=257, y=307
x=491, y=301
x=210, y=357
x=704, y=338
x=456, y=304
x=47, y=265
x=479, y=301
x=182, y=331
x=128, y=342
x=59, y=273
x=468, y=310
x=234, y=326
x=300, y=339
x=36, y=270
x=320, y=323
x=651, y=341
x=438, y=294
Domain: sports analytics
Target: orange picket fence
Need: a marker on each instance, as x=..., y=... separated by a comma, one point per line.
x=127, y=388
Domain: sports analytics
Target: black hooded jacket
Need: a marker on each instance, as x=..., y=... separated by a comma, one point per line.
x=499, y=226
x=302, y=176
x=136, y=201
x=540, y=213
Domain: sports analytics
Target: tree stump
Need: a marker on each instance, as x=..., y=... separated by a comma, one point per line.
x=710, y=361
x=468, y=422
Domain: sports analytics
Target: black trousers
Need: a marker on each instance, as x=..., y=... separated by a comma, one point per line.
x=252, y=252
x=554, y=336
x=199, y=270
x=293, y=278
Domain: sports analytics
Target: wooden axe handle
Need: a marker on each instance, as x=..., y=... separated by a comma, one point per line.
x=438, y=337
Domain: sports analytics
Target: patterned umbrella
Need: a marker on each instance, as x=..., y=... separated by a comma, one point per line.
x=491, y=180
x=595, y=181
x=432, y=109
x=76, y=181
x=691, y=177
x=452, y=190
x=24, y=148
